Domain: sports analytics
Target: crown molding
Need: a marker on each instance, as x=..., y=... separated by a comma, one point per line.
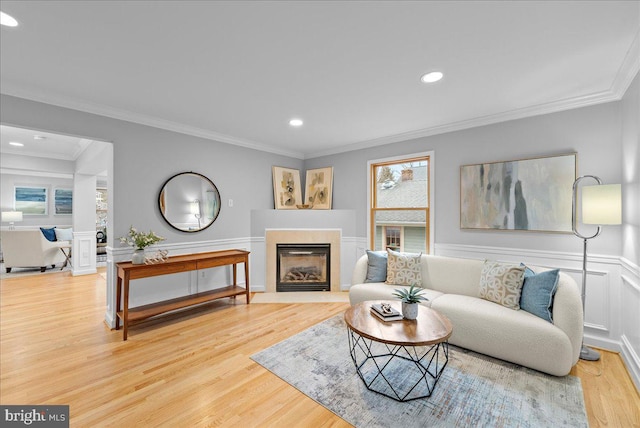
x=627, y=72
x=141, y=119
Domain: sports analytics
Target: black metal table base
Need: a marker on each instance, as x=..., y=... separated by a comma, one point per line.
x=400, y=372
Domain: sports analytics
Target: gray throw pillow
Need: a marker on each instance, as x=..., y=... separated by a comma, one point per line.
x=376, y=266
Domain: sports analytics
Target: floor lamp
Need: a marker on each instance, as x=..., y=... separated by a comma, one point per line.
x=601, y=205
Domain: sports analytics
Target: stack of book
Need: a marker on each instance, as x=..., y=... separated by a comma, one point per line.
x=385, y=312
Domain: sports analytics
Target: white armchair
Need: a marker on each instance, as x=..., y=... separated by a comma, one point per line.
x=29, y=248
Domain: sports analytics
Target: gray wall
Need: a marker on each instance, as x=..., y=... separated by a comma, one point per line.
x=593, y=132
x=145, y=157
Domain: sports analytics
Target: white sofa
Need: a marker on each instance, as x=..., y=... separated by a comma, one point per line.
x=452, y=287
x=29, y=248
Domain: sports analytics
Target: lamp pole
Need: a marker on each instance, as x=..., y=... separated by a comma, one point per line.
x=587, y=354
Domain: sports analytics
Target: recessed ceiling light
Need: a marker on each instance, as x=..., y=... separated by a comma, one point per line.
x=296, y=122
x=39, y=137
x=15, y=143
x=8, y=20
x=431, y=77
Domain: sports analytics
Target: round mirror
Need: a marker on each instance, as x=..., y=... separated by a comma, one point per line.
x=189, y=202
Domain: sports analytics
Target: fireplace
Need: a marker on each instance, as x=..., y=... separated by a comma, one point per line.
x=303, y=267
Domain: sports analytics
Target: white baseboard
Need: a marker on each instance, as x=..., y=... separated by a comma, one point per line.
x=631, y=360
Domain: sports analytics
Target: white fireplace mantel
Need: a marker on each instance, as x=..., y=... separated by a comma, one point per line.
x=334, y=226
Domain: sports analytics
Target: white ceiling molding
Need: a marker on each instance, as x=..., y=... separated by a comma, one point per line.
x=33, y=173
x=141, y=119
x=629, y=69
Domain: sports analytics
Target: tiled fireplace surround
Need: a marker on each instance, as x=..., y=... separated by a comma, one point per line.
x=302, y=236
x=335, y=227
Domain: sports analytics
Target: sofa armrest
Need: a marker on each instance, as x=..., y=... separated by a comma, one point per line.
x=360, y=270
x=567, y=312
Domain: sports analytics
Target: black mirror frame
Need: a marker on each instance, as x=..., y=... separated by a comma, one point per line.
x=202, y=177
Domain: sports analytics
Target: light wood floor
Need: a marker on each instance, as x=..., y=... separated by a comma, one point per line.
x=193, y=370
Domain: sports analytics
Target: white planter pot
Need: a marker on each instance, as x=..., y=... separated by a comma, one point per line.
x=410, y=310
x=138, y=257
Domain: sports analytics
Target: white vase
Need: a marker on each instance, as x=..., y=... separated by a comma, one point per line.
x=138, y=257
x=410, y=310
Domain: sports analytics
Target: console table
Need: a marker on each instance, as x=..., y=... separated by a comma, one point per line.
x=128, y=271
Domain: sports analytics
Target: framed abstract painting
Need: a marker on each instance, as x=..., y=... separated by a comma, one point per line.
x=286, y=188
x=319, y=188
x=31, y=200
x=528, y=194
x=62, y=201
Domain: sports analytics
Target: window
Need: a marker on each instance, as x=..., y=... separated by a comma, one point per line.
x=392, y=239
x=399, y=209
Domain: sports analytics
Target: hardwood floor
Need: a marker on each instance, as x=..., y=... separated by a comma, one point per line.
x=193, y=370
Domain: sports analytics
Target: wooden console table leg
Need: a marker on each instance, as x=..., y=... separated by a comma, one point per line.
x=246, y=277
x=125, y=311
x=118, y=299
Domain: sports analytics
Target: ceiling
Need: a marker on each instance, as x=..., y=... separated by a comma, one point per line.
x=238, y=71
x=41, y=144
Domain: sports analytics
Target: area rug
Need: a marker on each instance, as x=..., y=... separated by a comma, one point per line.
x=474, y=390
x=302, y=297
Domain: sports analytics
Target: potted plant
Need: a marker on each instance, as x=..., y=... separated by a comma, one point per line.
x=410, y=300
x=140, y=241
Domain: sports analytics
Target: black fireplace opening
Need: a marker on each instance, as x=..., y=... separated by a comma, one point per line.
x=303, y=267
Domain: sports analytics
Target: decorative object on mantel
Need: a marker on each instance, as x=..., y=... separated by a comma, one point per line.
x=286, y=188
x=319, y=187
x=140, y=241
x=528, y=194
x=601, y=204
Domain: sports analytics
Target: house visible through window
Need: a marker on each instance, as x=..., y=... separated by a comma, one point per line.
x=393, y=237
x=399, y=212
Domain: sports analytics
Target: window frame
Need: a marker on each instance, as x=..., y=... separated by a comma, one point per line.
x=371, y=189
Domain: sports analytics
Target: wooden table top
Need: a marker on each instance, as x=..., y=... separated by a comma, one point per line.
x=429, y=328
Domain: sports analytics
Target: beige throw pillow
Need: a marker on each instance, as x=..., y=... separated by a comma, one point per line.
x=502, y=283
x=403, y=268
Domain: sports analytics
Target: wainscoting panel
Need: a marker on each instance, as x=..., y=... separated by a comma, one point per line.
x=602, y=322
x=83, y=255
x=630, y=315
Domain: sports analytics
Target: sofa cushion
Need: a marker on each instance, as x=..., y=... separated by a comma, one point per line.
x=381, y=291
x=376, y=266
x=538, y=291
x=403, y=268
x=64, y=234
x=515, y=336
x=502, y=283
x=50, y=234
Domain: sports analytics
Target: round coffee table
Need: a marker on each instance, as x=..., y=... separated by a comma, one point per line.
x=402, y=359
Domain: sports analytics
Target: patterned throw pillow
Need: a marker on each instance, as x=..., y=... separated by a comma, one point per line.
x=502, y=283
x=403, y=268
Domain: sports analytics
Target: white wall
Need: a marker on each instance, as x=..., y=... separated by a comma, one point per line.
x=630, y=293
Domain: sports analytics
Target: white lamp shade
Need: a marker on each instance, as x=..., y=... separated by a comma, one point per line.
x=602, y=204
x=195, y=207
x=12, y=216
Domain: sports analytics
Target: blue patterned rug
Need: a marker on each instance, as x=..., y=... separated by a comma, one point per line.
x=474, y=390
